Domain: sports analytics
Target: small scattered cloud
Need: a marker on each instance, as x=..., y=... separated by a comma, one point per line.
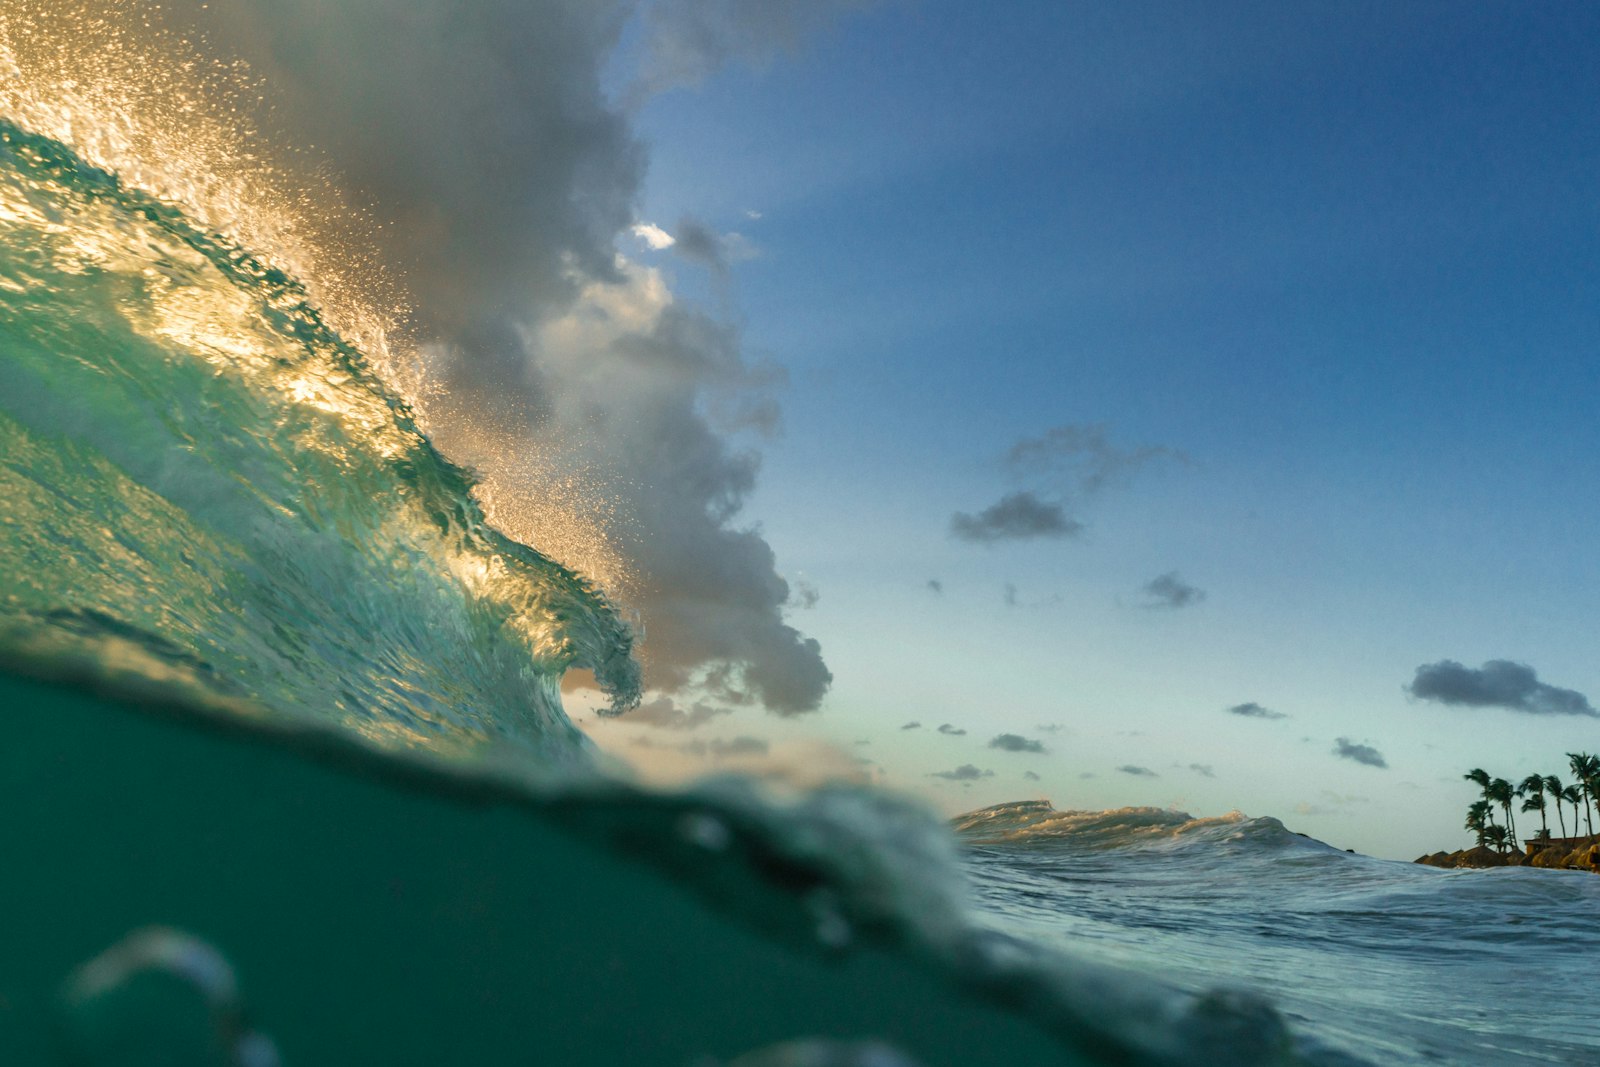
x=1252, y=710
x=1030, y=776
x=1009, y=595
x=1050, y=727
x=935, y=586
x=912, y=726
x=1204, y=770
x=1016, y=743
x=1088, y=774
x=653, y=236
x=1137, y=771
x=1499, y=683
x=964, y=773
x=1169, y=591
x=951, y=731
x=1020, y=516
x=667, y=714
x=1345, y=748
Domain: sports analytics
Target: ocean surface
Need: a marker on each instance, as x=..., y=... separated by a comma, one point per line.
x=287, y=777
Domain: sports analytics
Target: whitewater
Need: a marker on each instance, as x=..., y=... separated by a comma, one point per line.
x=288, y=778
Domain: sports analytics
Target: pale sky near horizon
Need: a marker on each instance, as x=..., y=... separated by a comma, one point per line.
x=1286, y=317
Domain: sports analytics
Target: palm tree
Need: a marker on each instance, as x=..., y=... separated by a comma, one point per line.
x=1586, y=769
x=1553, y=786
x=1535, y=802
x=1532, y=787
x=1574, y=796
x=1481, y=777
x=1479, y=819
x=1496, y=837
x=1500, y=792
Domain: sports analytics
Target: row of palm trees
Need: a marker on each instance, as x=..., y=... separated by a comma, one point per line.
x=1533, y=791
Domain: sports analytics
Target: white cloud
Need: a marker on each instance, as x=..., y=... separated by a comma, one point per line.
x=653, y=235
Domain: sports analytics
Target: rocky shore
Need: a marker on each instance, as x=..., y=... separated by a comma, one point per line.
x=1570, y=853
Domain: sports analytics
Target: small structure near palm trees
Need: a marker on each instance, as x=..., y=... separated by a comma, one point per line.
x=1496, y=842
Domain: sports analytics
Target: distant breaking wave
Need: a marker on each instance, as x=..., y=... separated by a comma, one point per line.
x=1036, y=822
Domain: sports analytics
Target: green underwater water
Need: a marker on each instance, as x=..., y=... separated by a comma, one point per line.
x=376, y=921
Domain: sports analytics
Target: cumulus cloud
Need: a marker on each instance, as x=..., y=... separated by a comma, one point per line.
x=1016, y=743
x=498, y=178
x=1344, y=748
x=964, y=773
x=1252, y=710
x=1019, y=516
x=665, y=713
x=951, y=731
x=1137, y=771
x=1171, y=591
x=1499, y=683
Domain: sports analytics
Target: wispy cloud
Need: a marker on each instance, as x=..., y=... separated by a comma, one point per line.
x=1499, y=683
x=935, y=586
x=1204, y=770
x=1137, y=771
x=912, y=726
x=1016, y=743
x=1345, y=748
x=1082, y=459
x=951, y=731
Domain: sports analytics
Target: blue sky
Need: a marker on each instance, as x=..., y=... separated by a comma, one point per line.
x=1341, y=259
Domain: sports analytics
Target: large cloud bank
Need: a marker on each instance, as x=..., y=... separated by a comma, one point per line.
x=497, y=174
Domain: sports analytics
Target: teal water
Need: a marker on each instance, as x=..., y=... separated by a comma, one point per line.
x=287, y=778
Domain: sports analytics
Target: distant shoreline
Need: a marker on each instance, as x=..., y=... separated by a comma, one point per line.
x=1560, y=853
